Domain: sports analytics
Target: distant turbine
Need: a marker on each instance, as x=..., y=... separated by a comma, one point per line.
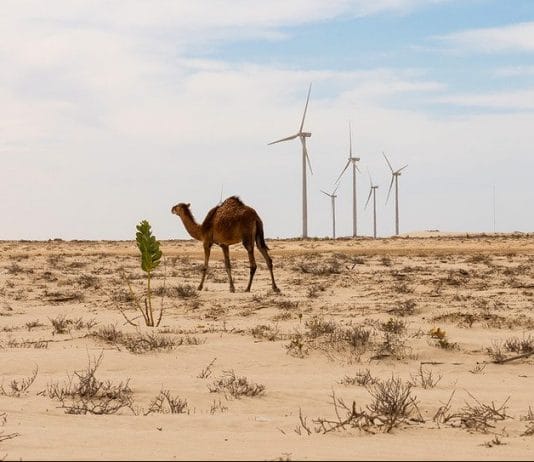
x=354, y=168
x=333, y=197
x=395, y=178
x=305, y=160
x=372, y=191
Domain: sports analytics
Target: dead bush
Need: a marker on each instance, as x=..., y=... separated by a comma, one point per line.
x=392, y=405
x=19, y=387
x=317, y=327
x=5, y=436
x=263, y=331
x=361, y=378
x=83, y=393
x=425, y=378
x=140, y=342
x=237, y=387
x=63, y=325
x=165, y=403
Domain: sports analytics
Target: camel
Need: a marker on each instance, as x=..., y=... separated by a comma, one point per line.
x=228, y=223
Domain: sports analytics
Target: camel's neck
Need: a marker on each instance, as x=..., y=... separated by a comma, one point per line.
x=192, y=227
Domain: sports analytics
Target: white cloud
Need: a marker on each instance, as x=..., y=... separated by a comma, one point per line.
x=111, y=120
x=508, y=100
x=513, y=37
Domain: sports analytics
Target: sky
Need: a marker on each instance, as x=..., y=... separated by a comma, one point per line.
x=114, y=111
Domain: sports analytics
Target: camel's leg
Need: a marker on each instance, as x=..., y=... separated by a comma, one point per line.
x=249, y=245
x=269, y=262
x=226, y=253
x=207, y=249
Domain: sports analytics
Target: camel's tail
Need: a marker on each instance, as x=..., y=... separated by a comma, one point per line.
x=260, y=239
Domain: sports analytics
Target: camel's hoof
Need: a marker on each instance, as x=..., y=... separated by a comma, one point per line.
x=199, y=288
x=276, y=289
x=232, y=289
x=247, y=289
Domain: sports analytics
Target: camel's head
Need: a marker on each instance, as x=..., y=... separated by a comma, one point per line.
x=179, y=209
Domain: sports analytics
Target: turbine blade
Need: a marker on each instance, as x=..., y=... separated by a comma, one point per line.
x=324, y=192
x=358, y=168
x=369, y=197
x=305, y=109
x=306, y=154
x=389, y=165
x=350, y=140
x=341, y=174
x=334, y=192
x=390, y=186
x=401, y=168
x=292, y=137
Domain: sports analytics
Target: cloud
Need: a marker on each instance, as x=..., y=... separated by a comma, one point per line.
x=113, y=117
x=513, y=37
x=509, y=100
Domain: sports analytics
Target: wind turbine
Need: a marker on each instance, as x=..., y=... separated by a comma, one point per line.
x=372, y=191
x=333, y=197
x=305, y=160
x=354, y=168
x=395, y=178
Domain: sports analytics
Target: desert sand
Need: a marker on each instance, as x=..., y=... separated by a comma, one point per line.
x=447, y=319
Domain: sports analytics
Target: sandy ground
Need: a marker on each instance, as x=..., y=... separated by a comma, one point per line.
x=353, y=315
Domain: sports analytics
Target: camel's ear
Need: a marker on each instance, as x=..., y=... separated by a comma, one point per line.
x=188, y=205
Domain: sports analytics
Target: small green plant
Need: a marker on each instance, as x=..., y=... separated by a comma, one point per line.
x=150, y=260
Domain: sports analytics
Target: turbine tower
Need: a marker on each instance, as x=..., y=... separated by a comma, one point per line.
x=352, y=160
x=395, y=178
x=305, y=160
x=333, y=197
x=372, y=191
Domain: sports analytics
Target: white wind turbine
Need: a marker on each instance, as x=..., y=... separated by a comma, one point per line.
x=372, y=191
x=352, y=160
x=395, y=178
x=305, y=160
x=332, y=196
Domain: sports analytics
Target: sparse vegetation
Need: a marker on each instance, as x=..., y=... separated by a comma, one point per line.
x=19, y=387
x=392, y=405
x=63, y=325
x=83, y=393
x=143, y=342
x=165, y=403
x=236, y=387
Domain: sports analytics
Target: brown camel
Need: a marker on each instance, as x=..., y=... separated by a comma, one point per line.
x=228, y=223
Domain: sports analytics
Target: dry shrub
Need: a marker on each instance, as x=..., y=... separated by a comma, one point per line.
x=5, y=436
x=297, y=345
x=405, y=308
x=475, y=417
x=327, y=268
x=180, y=291
x=361, y=378
x=235, y=386
x=317, y=327
x=263, y=331
x=165, y=403
x=425, y=378
x=63, y=325
x=392, y=405
x=83, y=393
x=520, y=345
x=19, y=387
x=140, y=342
